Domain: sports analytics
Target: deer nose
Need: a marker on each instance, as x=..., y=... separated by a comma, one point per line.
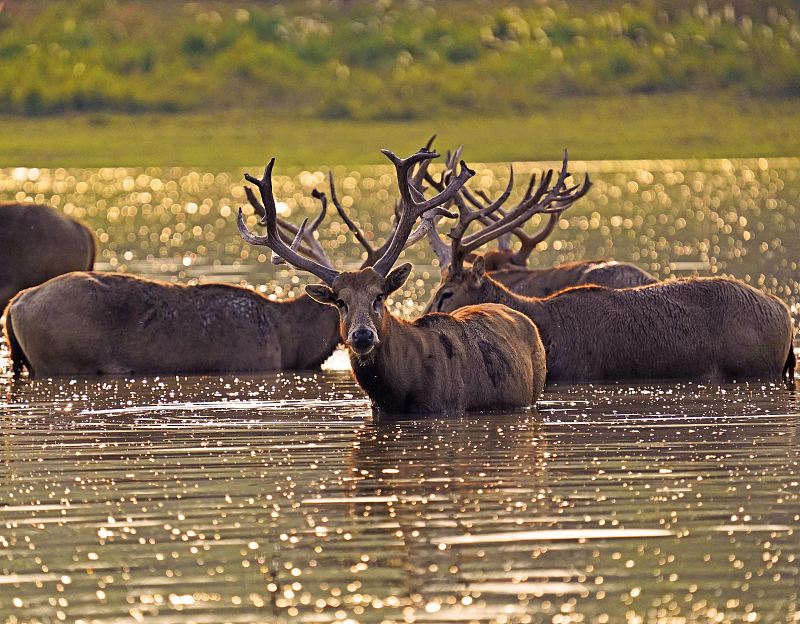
x=362, y=339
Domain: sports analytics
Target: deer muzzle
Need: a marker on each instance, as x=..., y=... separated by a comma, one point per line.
x=362, y=340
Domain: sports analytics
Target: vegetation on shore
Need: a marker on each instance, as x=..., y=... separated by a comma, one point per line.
x=222, y=85
x=386, y=59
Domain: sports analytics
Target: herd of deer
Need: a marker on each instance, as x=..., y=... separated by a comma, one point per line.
x=492, y=334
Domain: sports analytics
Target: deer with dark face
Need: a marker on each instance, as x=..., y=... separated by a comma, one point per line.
x=84, y=324
x=37, y=243
x=482, y=357
x=509, y=267
x=714, y=328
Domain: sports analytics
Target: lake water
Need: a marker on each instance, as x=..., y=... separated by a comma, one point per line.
x=280, y=498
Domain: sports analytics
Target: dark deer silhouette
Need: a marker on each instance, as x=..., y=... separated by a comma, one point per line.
x=38, y=243
x=481, y=357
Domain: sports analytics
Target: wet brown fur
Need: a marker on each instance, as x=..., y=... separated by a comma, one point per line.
x=480, y=357
x=111, y=324
x=38, y=243
x=697, y=328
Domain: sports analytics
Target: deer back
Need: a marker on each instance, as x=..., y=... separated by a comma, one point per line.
x=711, y=328
x=37, y=243
x=106, y=324
x=545, y=282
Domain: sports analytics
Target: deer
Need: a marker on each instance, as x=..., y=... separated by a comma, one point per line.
x=37, y=243
x=483, y=357
x=89, y=324
x=715, y=328
x=509, y=267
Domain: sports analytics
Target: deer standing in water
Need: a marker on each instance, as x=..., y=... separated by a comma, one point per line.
x=113, y=324
x=510, y=267
x=713, y=328
x=38, y=243
x=481, y=357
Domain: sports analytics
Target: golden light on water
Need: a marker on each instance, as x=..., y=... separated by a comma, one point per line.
x=278, y=496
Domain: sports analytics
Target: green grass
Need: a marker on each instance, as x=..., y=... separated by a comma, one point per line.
x=619, y=128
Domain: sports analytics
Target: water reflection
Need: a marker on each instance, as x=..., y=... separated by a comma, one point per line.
x=280, y=499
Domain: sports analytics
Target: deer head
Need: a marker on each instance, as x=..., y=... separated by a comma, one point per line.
x=359, y=295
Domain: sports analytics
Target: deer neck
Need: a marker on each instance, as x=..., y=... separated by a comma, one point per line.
x=381, y=372
x=309, y=333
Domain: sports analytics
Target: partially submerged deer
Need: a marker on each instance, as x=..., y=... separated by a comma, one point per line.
x=37, y=243
x=509, y=267
x=712, y=328
x=481, y=357
x=114, y=324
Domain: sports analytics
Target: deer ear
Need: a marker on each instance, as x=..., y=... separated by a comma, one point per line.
x=397, y=278
x=321, y=294
x=478, y=269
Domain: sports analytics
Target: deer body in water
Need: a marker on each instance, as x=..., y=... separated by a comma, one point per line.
x=698, y=328
x=86, y=324
x=712, y=328
x=482, y=357
x=89, y=324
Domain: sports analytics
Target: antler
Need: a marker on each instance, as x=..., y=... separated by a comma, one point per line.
x=310, y=246
x=273, y=238
x=373, y=254
x=544, y=200
x=413, y=204
x=520, y=258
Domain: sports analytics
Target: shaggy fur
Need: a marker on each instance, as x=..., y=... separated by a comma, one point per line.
x=113, y=324
x=697, y=328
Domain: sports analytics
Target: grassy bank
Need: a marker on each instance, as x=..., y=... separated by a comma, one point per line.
x=380, y=60
x=663, y=126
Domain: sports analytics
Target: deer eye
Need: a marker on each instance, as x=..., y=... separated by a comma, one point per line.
x=341, y=305
x=378, y=302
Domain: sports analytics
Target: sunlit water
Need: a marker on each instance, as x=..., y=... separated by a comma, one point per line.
x=280, y=498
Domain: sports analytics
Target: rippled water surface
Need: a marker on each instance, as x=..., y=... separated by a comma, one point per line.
x=280, y=498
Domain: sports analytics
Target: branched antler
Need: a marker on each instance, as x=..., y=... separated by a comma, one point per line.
x=416, y=180
x=273, y=239
x=412, y=206
x=310, y=246
x=544, y=200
